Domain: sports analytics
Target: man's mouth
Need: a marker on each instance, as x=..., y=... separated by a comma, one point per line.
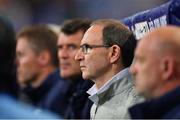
x=64, y=65
x=82, y=67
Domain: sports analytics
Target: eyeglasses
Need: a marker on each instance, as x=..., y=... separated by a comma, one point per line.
x=85, y=48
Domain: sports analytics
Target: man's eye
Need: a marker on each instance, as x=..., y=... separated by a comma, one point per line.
x=60, y=47
x=72, y=47
x=19, y=55
x=85, y=46
x=139, y=60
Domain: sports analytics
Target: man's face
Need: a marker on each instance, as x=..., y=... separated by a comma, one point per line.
x=27, y=62
x=146, y=68
x=95, y=63
x=68, y=46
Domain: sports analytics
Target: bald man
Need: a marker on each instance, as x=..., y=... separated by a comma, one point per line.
x=157, y=74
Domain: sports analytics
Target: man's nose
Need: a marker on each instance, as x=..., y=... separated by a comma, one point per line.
x=133, y=69
x=63, y=53
x=17, y=61
x=79, y=56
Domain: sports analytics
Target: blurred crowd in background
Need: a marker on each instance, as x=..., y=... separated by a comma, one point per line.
x=23, y=12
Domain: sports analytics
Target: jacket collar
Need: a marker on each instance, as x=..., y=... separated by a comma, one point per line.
x=158, y=107
x=36, y=94
x=97, y=94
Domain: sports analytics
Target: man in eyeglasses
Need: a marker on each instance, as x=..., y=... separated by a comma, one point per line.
x=106, y=52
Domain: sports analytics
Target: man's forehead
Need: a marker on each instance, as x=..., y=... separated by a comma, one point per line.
x=96, y=29
x=163, y=34
x=93, y=34
x=23, y=41
x=70, y=39
x=142, y=47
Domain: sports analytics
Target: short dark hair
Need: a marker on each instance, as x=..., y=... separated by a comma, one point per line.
x=41, y=38
x=115, y=33
x=74, y=25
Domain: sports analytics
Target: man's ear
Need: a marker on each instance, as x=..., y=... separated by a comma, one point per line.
x=167, y=67
x=115, y=53
x=44, y=58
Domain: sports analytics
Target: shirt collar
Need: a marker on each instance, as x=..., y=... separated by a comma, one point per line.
x=94, y=91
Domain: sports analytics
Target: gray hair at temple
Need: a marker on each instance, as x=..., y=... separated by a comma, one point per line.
x=115, y=33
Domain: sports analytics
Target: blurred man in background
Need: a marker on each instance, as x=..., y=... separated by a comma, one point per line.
x=37, y=62
x=157, y=74
x=73, y=100
x=9, y=107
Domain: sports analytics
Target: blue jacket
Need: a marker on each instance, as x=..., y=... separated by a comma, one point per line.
x=166, y=107
x=12, y=109
x=69, y=99
x=37, y=96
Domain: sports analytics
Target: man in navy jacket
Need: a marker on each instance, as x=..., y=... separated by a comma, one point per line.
x=37, y=62
x=157, y=74
x=73, y=102
x=10, y=108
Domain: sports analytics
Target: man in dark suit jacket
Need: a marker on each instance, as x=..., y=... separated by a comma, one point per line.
x=10, y=108
x=157, y=74
x=70, y=92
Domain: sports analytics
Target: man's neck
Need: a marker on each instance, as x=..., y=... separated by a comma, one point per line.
x=100, y=81
x=42, y=76
x=166, y=88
